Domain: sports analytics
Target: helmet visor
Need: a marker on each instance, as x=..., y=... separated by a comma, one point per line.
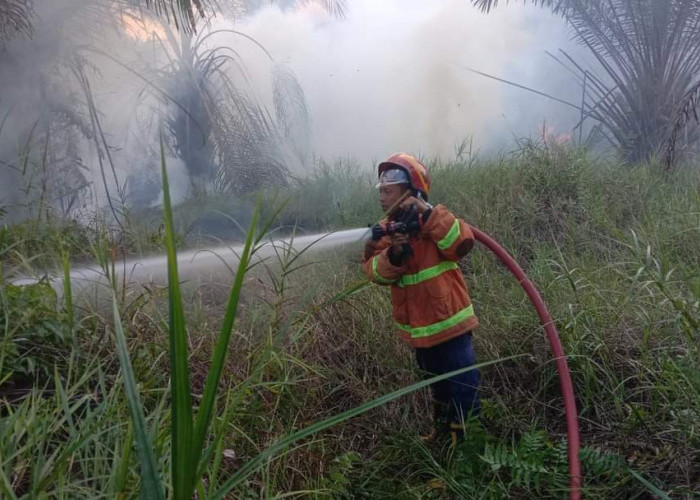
x=393, y=176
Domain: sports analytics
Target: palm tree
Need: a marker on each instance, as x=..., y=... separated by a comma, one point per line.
x=648, y=52
x=228, y=140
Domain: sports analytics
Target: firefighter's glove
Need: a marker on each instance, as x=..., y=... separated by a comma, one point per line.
x=400, y=248
x=378, y=232
x=412, y=219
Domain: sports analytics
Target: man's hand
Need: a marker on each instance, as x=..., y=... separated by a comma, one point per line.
x=377, y=232
x=420, y=205
x=398, y=240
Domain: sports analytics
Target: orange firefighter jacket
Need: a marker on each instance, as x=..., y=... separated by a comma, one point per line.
x=430, y=299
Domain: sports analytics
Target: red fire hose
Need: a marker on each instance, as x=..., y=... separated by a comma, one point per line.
x=567, y=389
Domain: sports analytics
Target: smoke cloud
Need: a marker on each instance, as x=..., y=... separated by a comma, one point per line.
x=393, y=75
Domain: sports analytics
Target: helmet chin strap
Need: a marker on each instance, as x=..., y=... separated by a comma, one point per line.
x=420, y=196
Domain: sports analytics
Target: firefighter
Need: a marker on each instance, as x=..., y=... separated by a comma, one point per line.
x=415, y=251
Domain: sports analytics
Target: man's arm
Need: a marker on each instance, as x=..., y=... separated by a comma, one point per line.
x=453, y=237
x=381, y=263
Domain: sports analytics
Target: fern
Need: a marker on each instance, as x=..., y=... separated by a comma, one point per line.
x=525, y=464
x=534, y=464
x=533, y=443
x=561, y=454
x=601, y=464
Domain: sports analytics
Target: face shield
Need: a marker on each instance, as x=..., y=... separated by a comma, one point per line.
x=393, y=176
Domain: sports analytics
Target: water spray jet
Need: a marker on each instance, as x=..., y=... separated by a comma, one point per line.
x=198, y=265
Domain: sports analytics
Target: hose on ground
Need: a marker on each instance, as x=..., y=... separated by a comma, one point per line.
x=567, y=389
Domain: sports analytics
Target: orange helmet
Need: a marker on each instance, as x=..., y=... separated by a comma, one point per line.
x=418, y=176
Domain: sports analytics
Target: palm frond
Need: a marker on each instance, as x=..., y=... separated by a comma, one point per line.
x=687, y=113
x=337, y=8
x=15, y=19
x=227, y=139
x=184, y=14
x=292, y=114
x=556, y=5
x=647, y=54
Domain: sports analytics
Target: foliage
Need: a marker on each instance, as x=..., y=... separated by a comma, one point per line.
x=226, y=138
x=613, y=250
x=190, y=433
x=649, y=55
x=16, y=19
x=185, y=15
x=688, y=112
x=36, y=336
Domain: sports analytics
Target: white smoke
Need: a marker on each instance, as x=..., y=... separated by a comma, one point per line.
x=389, y=76
x=392, y=75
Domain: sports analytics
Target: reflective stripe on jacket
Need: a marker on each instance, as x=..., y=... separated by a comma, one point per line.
x=430, y=298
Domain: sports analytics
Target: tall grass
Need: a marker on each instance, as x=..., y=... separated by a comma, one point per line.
x=189, y=434
x=614, y=252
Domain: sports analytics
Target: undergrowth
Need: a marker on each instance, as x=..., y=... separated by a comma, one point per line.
x=614, y=250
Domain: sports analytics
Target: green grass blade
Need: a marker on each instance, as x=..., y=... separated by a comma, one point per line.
x=351, y=290
x=150, y=480
x=6, y=486
x=649, y=485
x=68, y=293
x=219, y=443
x=251, y=465
x=184, y=462
x=63, y=402
x=206, y=408
x=267, y=225
x=123, y=467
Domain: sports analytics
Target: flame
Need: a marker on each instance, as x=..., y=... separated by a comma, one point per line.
x=549, y=135
x=141, y=27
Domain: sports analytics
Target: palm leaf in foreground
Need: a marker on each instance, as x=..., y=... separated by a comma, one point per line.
x=183, y=465
x=150, y=479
